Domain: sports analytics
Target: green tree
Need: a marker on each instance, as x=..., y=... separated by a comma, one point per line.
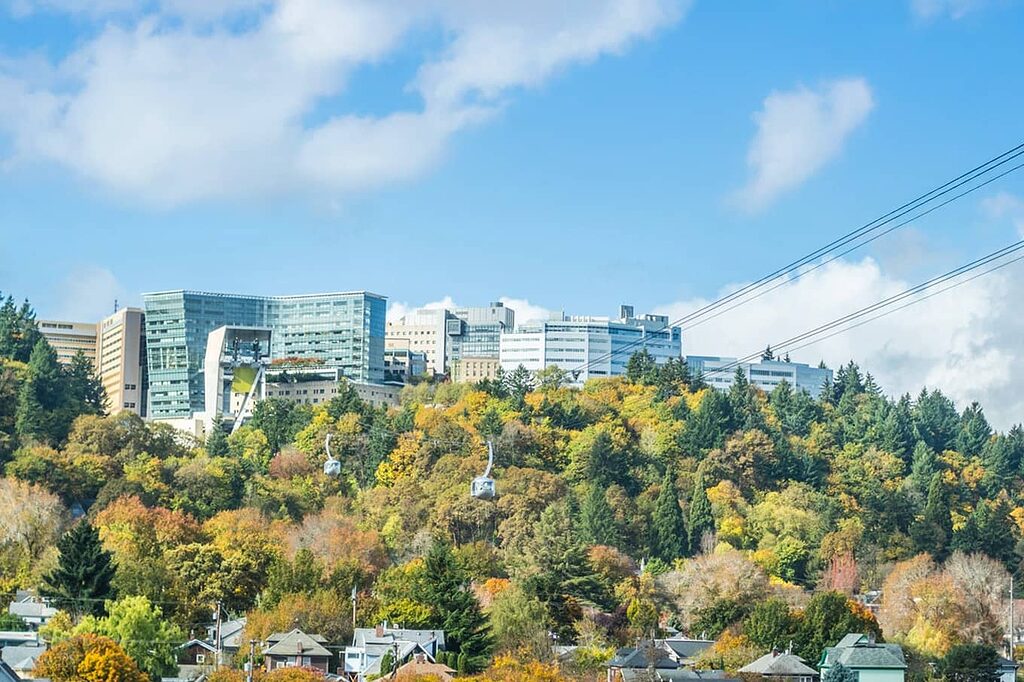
x=936, y=420
x=18, y=331
x=896, y=432
x=934, y=530
x=139, y=627
x=669, y=539
x=519, y=382
x=455, y=608
x=641, y=368
x=217, y=442
x=12, y=623
x=82, y=579
x=83, y=389
x=827, y=618
x=597, y=522
x=700, y=520
x=771, y=624
x=974, y=431
x=924, y=465
x=519, y=623
x=971, y=663
x=40, y=413
x=280, y=420
x=709, y=424
x=839, y=673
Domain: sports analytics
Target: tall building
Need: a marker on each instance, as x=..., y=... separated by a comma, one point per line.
x=720, y=373
x=67, y=338
x=341, y=330
x=450, y=335
x=591, y=346
x=121, y=360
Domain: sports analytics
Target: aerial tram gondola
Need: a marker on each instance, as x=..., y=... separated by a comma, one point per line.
x=482, y=487
x=332, y=467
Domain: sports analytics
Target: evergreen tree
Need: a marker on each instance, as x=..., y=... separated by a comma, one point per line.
x=491, y=424
x=743, y=401
x=974, y=431
x=828, y=618
x=933, y=532
x=672, y=376
x=455, y=608
x=669, y=537
x=641, y=368
x=924, y=465
x=597, y=522
x=82, y=579
x=519, y=382
x=85, y=393
x=770, y=625
x=839, y=673
x=897, y=430
x=971, y=663
x=997, y=456
x=40, y=416
x=18, y=331
x=936, y=420
x=700, y=520
x=1015, y=437
x=217, y=442
x=709, y=424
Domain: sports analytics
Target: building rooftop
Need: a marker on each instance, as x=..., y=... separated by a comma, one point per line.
x=774, y=663
x=859, y=651
x=296, y=642
x=257, y=297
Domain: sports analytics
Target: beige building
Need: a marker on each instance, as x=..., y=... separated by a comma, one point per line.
x=67, y=338
x=121, y=360
x=472, y=370
x=320, y=391
x=421, y=331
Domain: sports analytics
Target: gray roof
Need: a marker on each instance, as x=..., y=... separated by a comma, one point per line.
x=687, y=649
x=643, y=658
x=375, y=654
x=31, y=609
x=7, y=674
x=294, y=643
x=858, y=651
x=779, y=664
x=364, y=636
x=21, y=657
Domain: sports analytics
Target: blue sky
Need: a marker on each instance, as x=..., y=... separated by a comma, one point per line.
x=576, y=154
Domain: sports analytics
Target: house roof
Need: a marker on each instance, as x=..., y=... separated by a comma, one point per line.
x=294, y=643
x=31, y=609
x=643, y=657
x=202, y=643
x=363, y=636
x=779, y=664
x=21, y=657
x=858, y=651
x=687, y=649
x=7, y=674
x=688, y=674
x=413, y=669
x=1007, y=664
x=375, y=654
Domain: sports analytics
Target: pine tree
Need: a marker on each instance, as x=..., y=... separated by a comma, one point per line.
x=897, y=430
x=700, y=520
x=933, y=532
x=640, y=368
x=85, y=392
x=490, y=425
x=18, y=331
x=82, y=579
x=455, y=608
x=839, y=673
x=997, y=457
x=217, y=442
x=924, y=465
x=936, y=420
x=974, y=431
x=39, y=413
x=708, y=425
x=597, y=522
x=669, y=537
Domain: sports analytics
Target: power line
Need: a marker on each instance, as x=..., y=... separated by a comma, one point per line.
x=795, y=266
x=790, y=343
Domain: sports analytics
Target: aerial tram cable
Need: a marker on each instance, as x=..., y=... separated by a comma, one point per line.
x=794, y=267
x=805, y=338
x=482, y=487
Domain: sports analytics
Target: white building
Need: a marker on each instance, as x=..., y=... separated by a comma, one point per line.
x=589, y=347
x=720, y=372
x=446, y=335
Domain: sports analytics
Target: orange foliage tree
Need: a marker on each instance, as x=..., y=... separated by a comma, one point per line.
x=88, y=658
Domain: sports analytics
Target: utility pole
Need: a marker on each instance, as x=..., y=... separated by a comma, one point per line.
x=1010, y=647
x=354, y=592
x=217, y=639
x=252, y=656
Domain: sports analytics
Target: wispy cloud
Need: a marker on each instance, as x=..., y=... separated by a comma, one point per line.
x=173, y=101
x=798, y=132
x=954, y=9
x=88, y=294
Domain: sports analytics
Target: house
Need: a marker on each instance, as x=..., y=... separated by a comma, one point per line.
x=196, y=657
x=296, y=649
x=871, y=661
x=780, y=667
x=369, y=645
x=32, y=610
x=661, y=659
x=231, y=632
x=419, y=667
x=1008, y=670
x=18, y=638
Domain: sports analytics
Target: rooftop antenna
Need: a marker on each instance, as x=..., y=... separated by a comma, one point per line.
x=115, y=305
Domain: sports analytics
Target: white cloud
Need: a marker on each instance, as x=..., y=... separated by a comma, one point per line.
x=526, y=311
x=798, y=132
x=397, y=310
x=88, y=294
x=1005, y=205
x=954, y=9
x=965, y=342
x=174, y=102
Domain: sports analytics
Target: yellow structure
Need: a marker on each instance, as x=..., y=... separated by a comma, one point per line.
x=67, y=338
x=121, y=360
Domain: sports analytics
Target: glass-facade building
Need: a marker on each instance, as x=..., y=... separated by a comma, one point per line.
x=476, y=332
x=343, y=330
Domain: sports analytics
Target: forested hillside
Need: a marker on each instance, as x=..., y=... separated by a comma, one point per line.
x=754, y=516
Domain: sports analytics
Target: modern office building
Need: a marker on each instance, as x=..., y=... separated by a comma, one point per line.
x=344, y=331
x=720, y=372
x=449, y=335
x=589, y=347
x=233, y=372
x=121, y=360
x=68, y=338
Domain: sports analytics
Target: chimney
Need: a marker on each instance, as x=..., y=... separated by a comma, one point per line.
x=379, y=630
